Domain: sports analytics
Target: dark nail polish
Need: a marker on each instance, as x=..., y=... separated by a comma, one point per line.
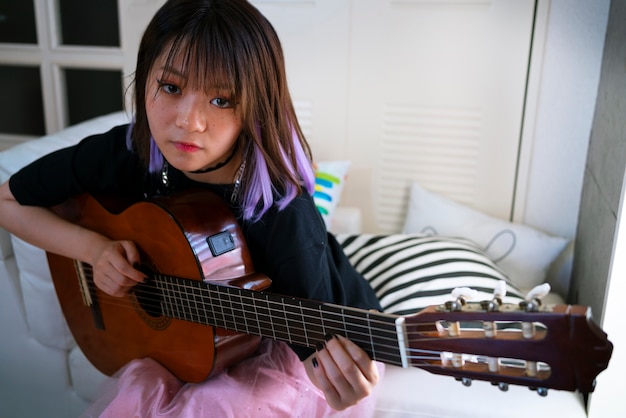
x=319, y=346
x=329, y=337
x=315, y=363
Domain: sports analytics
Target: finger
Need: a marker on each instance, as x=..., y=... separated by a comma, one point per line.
x=345, y=370
x=361, y=358
x=125, y=264
x=336, y=365
x=131, y=252
x=317, y=374
x=112, y=286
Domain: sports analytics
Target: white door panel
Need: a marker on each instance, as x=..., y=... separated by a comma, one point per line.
x=430, y=91
x=438, y=99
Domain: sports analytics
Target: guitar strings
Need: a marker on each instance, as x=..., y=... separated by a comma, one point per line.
x=387, y=336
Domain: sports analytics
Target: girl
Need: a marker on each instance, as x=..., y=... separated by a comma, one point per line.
x=212, y=109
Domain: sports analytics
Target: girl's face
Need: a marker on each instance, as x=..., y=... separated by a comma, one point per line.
x=194, y=128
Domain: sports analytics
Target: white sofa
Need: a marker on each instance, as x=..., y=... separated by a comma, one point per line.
x=43, y=373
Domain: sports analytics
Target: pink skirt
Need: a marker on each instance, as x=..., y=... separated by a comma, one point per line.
x=272, y=383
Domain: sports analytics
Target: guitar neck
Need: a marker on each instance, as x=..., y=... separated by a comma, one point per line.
x=296, y=321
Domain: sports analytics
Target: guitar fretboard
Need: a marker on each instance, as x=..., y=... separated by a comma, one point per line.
x=296, y=321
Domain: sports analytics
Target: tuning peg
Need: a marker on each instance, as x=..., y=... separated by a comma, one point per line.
x=501, y=385
x=533, y=298
x=466, y=381
x=538, y=292
x=500, y=290
x=464, y=293
x=460, y=295
x=494, y=304
x=540, y=391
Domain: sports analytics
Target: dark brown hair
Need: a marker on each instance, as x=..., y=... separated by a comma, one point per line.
x=230, y=44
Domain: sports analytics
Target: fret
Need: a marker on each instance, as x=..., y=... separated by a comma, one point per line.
x=287, y=324
x=228, y=314
x=275, y=316
x=190, y=289
x=167, y=302
x=313, y=321
x=371, y=336
x=252, y=318
x=238, y=310
x=182, y=305
x=252, y=321
x=333, y=322
x=180, y=308
x=384, y=338
x=196, y=296
x=262, y=311
x=205, y=307
x=295, y=322
x=220, y=316
x=305, y=334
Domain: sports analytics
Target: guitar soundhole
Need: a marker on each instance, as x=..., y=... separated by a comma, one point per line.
x=147, y=301
x=149, y=298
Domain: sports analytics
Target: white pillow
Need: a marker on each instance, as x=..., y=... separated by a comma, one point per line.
x=524, y=253
x=330, y=177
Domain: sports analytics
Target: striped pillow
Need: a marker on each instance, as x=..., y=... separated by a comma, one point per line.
x=410, y=272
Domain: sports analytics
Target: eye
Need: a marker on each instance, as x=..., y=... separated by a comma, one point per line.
x=168, y=88
x=221, y=102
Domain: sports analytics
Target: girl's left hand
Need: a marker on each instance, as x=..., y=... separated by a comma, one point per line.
x=343, y=371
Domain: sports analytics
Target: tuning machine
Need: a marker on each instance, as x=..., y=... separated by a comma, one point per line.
x=504, y=387
x=466, y=381
x=541, y=391
x=461, y=295
x=532, y=302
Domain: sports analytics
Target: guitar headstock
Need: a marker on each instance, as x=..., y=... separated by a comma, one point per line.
x=542, y=347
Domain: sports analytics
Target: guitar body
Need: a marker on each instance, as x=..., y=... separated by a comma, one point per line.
x=171, y=236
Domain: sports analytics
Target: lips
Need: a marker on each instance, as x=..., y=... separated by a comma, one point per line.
x=186, y=147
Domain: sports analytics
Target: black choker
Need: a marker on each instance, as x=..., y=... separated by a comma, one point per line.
x=218, y=166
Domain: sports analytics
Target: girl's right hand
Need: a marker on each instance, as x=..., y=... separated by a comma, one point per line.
x=112, y=261
x=113, y=270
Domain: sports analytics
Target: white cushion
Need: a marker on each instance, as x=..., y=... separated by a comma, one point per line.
x=45, y=320
x=524, y=253
x=415, y=393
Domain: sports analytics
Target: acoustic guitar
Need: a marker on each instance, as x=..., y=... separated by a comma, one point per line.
x=204, y=308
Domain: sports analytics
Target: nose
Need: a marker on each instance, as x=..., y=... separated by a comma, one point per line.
x=191, y=114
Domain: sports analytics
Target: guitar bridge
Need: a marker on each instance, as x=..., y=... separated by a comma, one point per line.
x=84, y=273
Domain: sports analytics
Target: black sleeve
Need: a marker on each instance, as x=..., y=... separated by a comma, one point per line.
x=293, y=248
x=98, y=164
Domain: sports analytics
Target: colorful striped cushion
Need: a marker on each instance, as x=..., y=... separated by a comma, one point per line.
x=330, y=177
x=410, y=272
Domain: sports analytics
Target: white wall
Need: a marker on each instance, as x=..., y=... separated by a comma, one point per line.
x=549, y=192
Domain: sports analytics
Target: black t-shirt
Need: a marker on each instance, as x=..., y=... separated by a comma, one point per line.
x=291, y=246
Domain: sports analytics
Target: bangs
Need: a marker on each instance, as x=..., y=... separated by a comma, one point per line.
x=205, y=59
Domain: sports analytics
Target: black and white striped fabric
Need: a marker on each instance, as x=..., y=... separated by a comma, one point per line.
x=410, y=272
